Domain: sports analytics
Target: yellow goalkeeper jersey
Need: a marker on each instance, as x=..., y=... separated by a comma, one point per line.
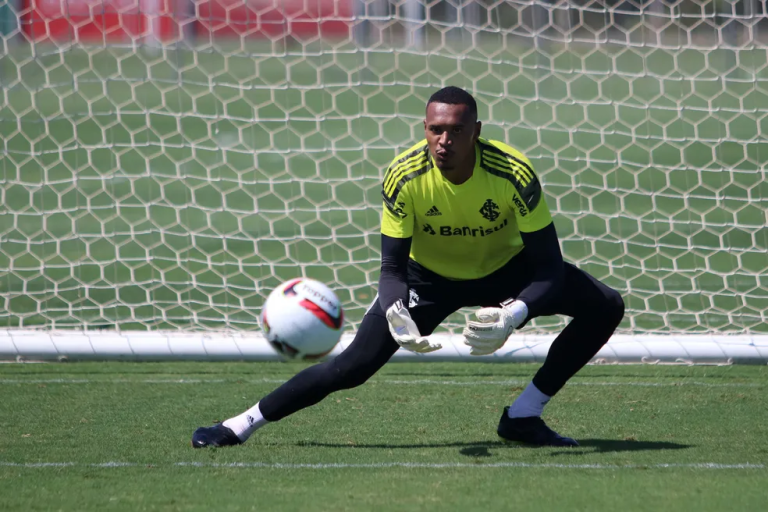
x=463, y=231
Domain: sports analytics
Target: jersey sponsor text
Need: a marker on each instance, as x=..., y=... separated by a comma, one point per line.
x=464, y=230
x=520, y=206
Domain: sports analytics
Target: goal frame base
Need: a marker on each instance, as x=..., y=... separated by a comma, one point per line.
x=38, y=345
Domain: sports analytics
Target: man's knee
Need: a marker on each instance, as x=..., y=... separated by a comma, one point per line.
x=614, y=307
x=604, y=308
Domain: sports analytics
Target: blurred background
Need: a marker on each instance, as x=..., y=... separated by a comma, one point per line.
x=166, y=163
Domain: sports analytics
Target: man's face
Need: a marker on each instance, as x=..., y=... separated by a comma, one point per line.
x=451, y=132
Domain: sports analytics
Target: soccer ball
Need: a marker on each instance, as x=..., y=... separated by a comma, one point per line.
x=302, y=319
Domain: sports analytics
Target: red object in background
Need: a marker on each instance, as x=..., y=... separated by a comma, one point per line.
x=304, y=19
x=62, y=21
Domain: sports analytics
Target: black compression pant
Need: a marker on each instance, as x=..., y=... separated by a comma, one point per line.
x=595, y=308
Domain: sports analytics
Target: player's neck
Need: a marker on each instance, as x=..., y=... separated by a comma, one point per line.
x=461, y=173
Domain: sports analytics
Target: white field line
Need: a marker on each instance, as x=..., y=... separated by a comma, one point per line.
x=382, y=465
x=390, y=381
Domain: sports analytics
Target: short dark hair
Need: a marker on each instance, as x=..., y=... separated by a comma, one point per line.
x=454, y=96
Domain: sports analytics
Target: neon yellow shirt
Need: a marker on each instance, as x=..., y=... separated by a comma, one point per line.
x=463, y=231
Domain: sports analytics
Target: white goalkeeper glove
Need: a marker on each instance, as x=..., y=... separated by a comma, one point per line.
x=404, y=330
x=494, y=327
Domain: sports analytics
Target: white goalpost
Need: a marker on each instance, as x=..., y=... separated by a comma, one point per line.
x=30, y=345
x=166, y=164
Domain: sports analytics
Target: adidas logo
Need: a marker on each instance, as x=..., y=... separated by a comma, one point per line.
x=433, y=212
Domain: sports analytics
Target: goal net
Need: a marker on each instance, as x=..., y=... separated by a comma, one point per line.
x=166, y=163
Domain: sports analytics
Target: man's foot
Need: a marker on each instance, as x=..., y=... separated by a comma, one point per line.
x=216, y=436
x=531, y=430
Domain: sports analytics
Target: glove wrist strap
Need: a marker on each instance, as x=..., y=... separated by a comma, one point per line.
x=517, y=308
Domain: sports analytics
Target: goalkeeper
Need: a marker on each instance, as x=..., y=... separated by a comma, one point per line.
x=464, y=223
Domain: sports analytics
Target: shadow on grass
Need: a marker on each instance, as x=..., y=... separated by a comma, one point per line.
x=481, y=449
x=527, y=370
x=394, y=446
x=426, y=374
x=616, y=445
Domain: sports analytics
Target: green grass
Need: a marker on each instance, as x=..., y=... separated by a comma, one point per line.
x=176, y=188
x=631, y=422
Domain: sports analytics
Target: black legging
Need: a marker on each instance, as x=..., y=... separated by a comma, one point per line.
x=595, y=308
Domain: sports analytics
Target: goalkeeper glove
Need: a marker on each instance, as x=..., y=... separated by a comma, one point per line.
x=494, y=327
x=404, y=330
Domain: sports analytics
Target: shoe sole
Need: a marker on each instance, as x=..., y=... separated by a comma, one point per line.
x=209, y=445
x=524, y=444
x=521, y=444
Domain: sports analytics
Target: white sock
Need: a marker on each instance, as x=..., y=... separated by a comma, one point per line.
x=531, y=402
x=247, y=423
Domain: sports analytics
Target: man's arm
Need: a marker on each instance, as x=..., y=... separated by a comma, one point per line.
x=393, y=295
x=543, y=250
x=539, y=236
x=396, y=233
x=393, y=281
x=540, y=239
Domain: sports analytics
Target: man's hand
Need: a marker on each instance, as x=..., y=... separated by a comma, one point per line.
x=494, y=327
x=405, y=332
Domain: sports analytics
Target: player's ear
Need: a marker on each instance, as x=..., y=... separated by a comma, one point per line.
x=478, y=127
x=425, y=126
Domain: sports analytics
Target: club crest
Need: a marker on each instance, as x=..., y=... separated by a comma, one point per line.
x=490, y=210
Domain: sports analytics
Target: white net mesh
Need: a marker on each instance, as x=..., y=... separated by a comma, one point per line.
x=165, y=164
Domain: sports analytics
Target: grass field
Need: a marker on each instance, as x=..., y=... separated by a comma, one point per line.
x=152, y=189
x=417, y=437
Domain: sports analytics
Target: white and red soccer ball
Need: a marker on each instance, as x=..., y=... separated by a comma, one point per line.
x=302, y=319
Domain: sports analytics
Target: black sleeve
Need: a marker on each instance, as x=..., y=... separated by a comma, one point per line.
x=544, y=250
x=393, y=281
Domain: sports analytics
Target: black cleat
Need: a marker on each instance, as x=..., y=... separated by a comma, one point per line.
x=531, y=430
x=216, y=436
